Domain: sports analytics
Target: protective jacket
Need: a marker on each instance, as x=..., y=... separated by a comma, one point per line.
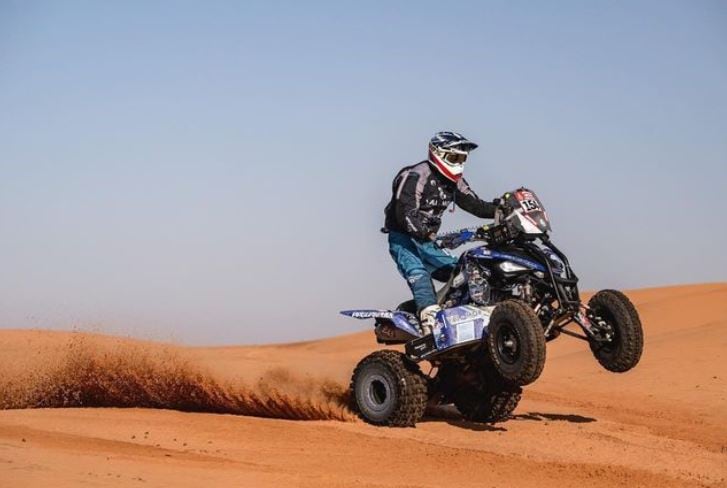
x=419, y=197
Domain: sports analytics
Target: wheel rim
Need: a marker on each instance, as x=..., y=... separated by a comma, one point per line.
x=508, y=343
x=378, y=392
x=612, y=345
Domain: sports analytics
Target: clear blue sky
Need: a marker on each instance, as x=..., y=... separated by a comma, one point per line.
x=215, y=172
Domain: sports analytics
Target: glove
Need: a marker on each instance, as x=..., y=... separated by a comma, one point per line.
x=496, y=202
x=432, y=226
x=434, y=222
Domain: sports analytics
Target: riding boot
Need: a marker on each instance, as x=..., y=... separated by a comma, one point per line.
x=428, y=318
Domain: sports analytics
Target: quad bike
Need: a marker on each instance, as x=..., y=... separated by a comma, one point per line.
x=502, y=302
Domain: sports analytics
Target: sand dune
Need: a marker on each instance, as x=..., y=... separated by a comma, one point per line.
x=662, y=424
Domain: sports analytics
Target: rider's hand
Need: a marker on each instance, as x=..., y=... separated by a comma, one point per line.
x=496, y=202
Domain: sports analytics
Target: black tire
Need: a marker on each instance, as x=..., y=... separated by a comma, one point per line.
x=388, y=389
x=624, y=352
x=490, y=400
x=516, y=342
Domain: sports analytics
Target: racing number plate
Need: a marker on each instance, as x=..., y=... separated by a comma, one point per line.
x=528, y=201
x=465, y=331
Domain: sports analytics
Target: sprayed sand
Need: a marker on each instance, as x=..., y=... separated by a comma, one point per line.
x=96, y=371
x=663, y=424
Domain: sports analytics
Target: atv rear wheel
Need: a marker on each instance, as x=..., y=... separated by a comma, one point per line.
x=516, y=342
x=389, y=389
x=624, y=350
x=490, y=399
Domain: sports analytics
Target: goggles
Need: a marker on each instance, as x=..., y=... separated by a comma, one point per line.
x=453, y=157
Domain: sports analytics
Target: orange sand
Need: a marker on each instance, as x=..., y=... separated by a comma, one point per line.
x=662, y=424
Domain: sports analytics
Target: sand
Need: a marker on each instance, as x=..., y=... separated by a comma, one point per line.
x=276, y=416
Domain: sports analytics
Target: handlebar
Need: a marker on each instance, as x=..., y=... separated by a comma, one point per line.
x=454, y=239
x=487, y=233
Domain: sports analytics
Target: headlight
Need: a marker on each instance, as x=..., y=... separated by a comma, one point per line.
x=510, y=267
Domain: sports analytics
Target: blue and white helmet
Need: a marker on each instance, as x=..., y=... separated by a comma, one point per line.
x=448, y=152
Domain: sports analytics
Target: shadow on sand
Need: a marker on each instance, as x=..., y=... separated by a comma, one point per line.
x=475, y=426
x=465, y=424
x=555, y=417
x=449, y=414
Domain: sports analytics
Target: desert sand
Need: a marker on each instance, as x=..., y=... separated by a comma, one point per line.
x=276, y=415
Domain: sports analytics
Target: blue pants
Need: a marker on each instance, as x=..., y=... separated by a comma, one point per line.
x=418, y=261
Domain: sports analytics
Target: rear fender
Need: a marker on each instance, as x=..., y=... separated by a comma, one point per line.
x=392, y=327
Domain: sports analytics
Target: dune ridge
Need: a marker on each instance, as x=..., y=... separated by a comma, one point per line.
x=89, y=371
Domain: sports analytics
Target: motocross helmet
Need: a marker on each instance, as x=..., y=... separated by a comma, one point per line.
x=448, y=152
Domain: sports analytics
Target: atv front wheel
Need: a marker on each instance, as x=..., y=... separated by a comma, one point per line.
x=388, y=389
x=490, y=399
x=516, y=342
x=623, y=351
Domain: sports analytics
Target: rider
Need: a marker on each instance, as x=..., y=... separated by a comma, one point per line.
x=420, y=194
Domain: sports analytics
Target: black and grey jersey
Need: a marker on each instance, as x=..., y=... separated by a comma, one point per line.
x=419, y=197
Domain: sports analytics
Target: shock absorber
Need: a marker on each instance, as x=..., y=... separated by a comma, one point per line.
x=479, y=288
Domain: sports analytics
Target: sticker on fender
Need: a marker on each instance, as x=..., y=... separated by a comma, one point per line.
x=465, y=331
